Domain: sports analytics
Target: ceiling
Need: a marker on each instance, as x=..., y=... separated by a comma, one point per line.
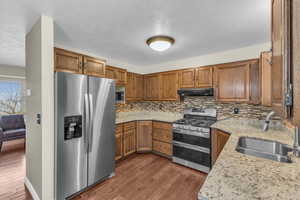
x=118, y=29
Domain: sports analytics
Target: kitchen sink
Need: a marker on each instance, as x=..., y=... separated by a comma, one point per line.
x=267, y=149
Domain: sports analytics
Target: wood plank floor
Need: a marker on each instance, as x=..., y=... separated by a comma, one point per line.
x=12, y=172
x=148, y=177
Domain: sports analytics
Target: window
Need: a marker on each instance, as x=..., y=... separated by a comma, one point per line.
x=12, y=96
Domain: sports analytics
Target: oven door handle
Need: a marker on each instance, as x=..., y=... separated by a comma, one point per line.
x=197, y=134
x=193, y=147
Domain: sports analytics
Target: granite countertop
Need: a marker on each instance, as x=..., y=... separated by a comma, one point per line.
x=147, y=115
x=238, y=176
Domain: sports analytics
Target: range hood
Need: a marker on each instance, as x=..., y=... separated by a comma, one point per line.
x=196, y=92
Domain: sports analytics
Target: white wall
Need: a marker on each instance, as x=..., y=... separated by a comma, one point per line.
x=40, y=137
x=8, y=71
x=210, y=59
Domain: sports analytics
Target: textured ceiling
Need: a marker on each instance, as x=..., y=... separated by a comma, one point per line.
x=118, y=30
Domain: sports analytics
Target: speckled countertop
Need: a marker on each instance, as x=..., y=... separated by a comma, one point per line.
x=146, y=115
x=237, y=176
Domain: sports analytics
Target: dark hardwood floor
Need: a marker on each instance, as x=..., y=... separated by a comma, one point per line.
x=139, y=177
x=12, y=172
x=148, y=177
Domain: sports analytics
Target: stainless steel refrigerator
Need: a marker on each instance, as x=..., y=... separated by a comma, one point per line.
x=85, y=124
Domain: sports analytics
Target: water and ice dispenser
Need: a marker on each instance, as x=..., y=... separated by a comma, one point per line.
x=72, y=127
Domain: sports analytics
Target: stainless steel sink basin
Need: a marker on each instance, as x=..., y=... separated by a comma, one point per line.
x=267, y=149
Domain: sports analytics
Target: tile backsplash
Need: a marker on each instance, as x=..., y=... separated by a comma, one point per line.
x=224, y=109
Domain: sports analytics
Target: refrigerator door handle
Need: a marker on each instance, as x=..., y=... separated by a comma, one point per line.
x=87, y=121
x=91, y=123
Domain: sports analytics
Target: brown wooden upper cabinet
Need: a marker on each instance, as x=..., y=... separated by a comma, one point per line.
x=152, y=87
x=118, y=74
x=266, y=79
x=134, y=87
x=139, y=82
x=187, y=78
x=232, y=82
x=204, y=77
x=169, y=86
x=281, y=57
x=93, y=66
x=201, y=77
x=66, y=61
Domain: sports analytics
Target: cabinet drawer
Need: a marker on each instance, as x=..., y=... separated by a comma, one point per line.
x=129, y=125
x=162, y=147
x=163, y=135
x=119, y=128
x=162, y=125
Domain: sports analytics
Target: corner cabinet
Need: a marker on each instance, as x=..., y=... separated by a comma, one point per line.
x=144, y=136
x=67, y=61
x=232, y=82
x=152, y=87
x=134, y=87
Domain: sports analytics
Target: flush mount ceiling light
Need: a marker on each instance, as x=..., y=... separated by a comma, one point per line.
x=160, y=43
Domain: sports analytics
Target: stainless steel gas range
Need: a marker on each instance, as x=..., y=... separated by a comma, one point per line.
x=192, y=139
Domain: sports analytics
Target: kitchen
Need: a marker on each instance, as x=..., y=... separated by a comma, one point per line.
x=185, y=120
x=189, y=115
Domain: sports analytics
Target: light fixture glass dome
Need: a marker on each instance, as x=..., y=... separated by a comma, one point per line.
x=160, y=43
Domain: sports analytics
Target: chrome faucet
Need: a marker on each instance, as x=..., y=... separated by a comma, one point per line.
x=267, y=121
x=297, y=142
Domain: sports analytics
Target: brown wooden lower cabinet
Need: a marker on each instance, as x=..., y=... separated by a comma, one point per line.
x=129, y=142
x=162, y=138
x=144, y=136
x=219, y=139
x=119, y=142
x=162, y=147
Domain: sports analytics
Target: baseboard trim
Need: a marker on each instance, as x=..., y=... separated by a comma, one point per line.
x=31, y=189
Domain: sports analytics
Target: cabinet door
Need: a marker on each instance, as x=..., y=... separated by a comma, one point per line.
x=204, y=77
x=119, y=146
x=266, y=80
x=152, y=89
x=130, y=87
x=121, y=76
x=162, y=132
x=129, y=142
x=94, y=67
x=280, y=54
x=139, y=86
x=119, y=142
x=110, y=72
x=232, y=82
x=144, y=136
x=169, y=86
x=219, y=139
x=187, y=78
x=162, y=147
x=66, y=61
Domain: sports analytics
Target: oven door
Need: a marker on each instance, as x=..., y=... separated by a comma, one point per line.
x=197, y=139
x=192, y=156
